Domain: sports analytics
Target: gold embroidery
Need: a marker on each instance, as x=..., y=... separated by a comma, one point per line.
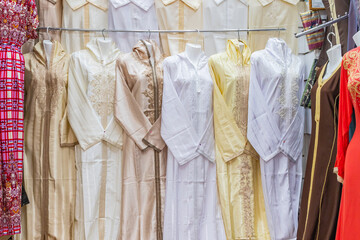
x=288, y=99
x=102, y=93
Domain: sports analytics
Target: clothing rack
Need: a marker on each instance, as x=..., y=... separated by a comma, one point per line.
x=324, y=25
x=160, y=31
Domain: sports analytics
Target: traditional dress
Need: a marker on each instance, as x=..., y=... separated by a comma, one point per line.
x=132, y=14
x=276, y=131
x=179, y=15
x=139, y=82
x=192, y=211
x=82, y=14
x=224, y=14
x=237, y=163
x=321, y=192
x=99, y=153
x=18, y=23
x=273, y=14
x=347, y=160
x=49, y=172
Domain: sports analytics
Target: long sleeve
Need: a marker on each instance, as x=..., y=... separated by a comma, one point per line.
x=345, y=112
x=81, y=115
x=128, y=111
x=153, y=137
x=228, y=137
x=176, y=129
x=262, y=133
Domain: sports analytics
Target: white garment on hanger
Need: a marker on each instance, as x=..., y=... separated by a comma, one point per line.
x=192, y=211
x=275, y=130
x=132, y=15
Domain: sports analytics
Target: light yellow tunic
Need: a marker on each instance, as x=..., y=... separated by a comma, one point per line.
x=273, y=14
x=237, y=163
x=179, y=15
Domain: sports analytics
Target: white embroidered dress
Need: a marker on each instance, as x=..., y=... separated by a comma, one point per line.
x=224, y=14
x=192, y=211
x=132, y=15
x=275, y=130
x=98, y=155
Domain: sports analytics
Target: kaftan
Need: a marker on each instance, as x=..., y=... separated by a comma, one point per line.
x=224, y=14
x=179, y=15
x=192, y=211
x=237, y=163
x=18, y=23
x=273, y=14
x=99, y=153
x=82, y=14
x=49, y=163
x=347, y=159
x=320, y=199
x=138, y=94
x=132, y=14
x=276, y=130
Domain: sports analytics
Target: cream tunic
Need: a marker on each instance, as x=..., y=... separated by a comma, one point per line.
x=99, y=153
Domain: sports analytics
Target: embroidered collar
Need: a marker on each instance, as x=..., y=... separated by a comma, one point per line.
x=279, y=49
x=143, y=4
x=94, y=47
x=57, y=53
x=267, y=2
x=194, y=4
x=234, y=53
x=76, y=4
x=140, y=50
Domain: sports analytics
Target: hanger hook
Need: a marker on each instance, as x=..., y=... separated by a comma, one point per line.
x=238, y=32
x=47, y=32
x=149, y=34
x=330, y=33
x=102, y=32
x=198, y=35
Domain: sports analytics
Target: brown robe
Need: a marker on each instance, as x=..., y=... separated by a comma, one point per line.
x=138, y=97
x=321, y=192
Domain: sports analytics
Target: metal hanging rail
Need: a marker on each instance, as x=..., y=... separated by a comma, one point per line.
x=160, y=31
x=324, y=25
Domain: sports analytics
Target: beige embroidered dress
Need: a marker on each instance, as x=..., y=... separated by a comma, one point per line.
x=99, y=153
x=139, y=83
x=237, y=163
x=273, y=14
x=179, y=15
x=82, y=14
x=49, y=169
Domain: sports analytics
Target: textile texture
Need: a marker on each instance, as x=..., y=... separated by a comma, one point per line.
x=309, y=20
x=306, y=97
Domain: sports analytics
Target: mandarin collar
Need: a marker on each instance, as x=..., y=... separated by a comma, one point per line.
x=234, y=53
x=194, y=4
x=57, y=52
x=94, y=47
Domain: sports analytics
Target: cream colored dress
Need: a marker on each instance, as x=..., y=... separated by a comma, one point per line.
x=273, y=14
x=179, y=15
x=99, y=153
x=82, y=14
x=237, y=163
x=49, y=163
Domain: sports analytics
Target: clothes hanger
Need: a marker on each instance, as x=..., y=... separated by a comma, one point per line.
x=198, y=36
x=102, y=32
x=47, y=32
x=328, y=39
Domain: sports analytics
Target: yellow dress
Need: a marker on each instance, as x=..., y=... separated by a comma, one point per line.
x=237, y=163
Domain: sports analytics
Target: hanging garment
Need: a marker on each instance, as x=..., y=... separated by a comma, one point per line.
x=192, y=211
x=49, y=173
x=132, y=14
x=276, y=131
x=335, y=8
x=99, y=153
x=82, y=14
x=138, y=94
x=224, y=14
x=179, y=15
x=274, y=14
x=347, y=160
x=237, y=163
x=18, y=23
x=321, y=193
